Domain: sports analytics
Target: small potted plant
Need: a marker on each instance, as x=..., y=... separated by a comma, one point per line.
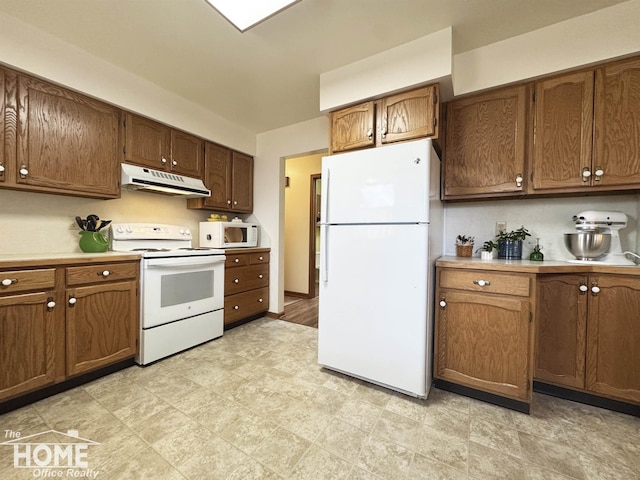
x=486, y=251
x=510, y=243
x=464, y=245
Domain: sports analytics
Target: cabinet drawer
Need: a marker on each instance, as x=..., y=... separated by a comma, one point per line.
x=25, y=280
x=243, y=305
x=246, y=278
x=484, y=281
x=101, y=273
x=257, y=258
x=237, y=260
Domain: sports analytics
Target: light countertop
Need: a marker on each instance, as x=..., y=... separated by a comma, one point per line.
x=19, y=260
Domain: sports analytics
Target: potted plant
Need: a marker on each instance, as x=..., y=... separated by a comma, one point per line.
x=486, y=251
x=464, y=245
x=510, y=243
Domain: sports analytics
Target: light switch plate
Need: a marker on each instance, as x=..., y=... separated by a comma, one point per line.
x=501, y=226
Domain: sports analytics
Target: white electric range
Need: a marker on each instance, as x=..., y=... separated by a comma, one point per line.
x=181, y=288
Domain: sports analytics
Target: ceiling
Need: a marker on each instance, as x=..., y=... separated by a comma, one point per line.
x=268, y=77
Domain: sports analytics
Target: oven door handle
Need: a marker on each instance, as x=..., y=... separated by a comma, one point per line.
x=187, y=263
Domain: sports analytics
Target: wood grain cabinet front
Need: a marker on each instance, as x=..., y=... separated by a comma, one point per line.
x=588, y=336
x=152, y=144
x=483, y=332
x=246, y=280
x=400, y=117
x=101, y=315
x=53, y=133
x=29, y=319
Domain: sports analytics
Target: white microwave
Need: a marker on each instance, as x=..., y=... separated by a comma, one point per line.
x=228, y=234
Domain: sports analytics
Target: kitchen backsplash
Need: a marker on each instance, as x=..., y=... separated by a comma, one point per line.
x=42, y=223
x=547, y=219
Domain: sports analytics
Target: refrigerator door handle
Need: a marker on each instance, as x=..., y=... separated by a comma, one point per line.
x=324, y=209
x=324, y=267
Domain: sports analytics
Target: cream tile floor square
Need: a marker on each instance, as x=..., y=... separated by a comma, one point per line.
x=254, y=404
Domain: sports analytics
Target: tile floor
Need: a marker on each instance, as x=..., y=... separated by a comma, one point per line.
x=255, y=405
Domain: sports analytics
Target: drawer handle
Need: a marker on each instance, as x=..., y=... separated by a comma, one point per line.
x=236, y=307
x=482, y=283
x=9, y=281
x=259, y=300
x=260, y=276
x=72, y=300
x=237, y=260
x=260, y=258
x=104, y=273
x=237, y=280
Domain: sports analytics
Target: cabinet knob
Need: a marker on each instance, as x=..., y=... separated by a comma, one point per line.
x=50, y=304
x=260, y=258
x=72, y=300
x=1, y=168
x=370, y=134
x=237, y=280
x=583, y=288
x=519, y=180
x=482, y=283
x=598, y=173
x=259, y=300
x=9, y=281
x=104, y=273
x=383, y=132
x=235, y=202
x=228, y=202
x=163, y=160
x=236, y=307
x=443, y=303
x=237, y=260
x=595, y=289
x=174, y=162
x=23, y=171
x=586, y=173
x=260, y=276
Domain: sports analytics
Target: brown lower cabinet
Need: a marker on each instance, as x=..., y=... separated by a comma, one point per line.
x=246, y=284
x=588, y=335
x=64, y=320
x=483, y=332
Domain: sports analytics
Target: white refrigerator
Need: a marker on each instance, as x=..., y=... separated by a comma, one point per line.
x=381, y=229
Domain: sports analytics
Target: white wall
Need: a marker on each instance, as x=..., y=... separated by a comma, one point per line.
x=272, y=149
x=547, y=219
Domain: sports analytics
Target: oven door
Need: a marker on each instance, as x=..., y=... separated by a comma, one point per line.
x=181, y=287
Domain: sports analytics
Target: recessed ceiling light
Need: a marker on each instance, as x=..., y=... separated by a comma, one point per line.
x=244, y=14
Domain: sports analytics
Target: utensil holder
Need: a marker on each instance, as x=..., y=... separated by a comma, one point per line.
x=93, y=242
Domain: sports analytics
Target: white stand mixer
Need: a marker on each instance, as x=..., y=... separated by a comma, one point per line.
x=606, y=222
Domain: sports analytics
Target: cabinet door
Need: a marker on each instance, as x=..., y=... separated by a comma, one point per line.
x=613, y=337
x=617, y=125
x=27, y=343
x=102, y=325
x=3, y=159
x=563, y=132
x=485, y=145
x=186, y=154
x=482, y=342
x=410, y=115
x=353, y=128
x=242, y=183
x=66, y=142
x=147, y=143
x=561, y=329
x=217, y=177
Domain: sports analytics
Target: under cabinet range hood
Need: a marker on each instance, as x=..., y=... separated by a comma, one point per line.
x=143, y=178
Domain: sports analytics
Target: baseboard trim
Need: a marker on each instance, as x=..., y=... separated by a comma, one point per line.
x=483, y=396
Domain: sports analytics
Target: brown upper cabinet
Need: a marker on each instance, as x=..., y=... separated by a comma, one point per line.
x=486, y=145
x=404, y=116
x=567, y=156
x=3, y=167
x=53, y=135
x=229, y=176
x=154, y=145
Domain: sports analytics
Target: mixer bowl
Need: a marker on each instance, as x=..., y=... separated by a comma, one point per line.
x=587, y=245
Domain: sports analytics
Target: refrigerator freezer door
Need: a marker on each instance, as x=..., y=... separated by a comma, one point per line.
x=374, y=299
x=389, y=184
